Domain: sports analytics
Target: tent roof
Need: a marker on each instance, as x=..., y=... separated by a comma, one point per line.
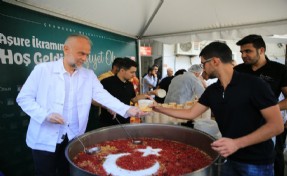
x=176, y=20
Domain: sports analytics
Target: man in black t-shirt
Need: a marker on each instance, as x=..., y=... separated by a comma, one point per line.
x=164, y=83
x=120, y=87
x=245, y=109
x=253, y=48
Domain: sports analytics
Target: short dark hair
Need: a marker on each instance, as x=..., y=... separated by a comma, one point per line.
x=256, y=40
x=217, y=49
x=179, y=72
x=117, y=62
x=149, y=69
x=127, y=63
x=154, y=66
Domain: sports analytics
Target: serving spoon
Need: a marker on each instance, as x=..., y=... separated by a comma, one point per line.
x=134, y=141
x=89, y=151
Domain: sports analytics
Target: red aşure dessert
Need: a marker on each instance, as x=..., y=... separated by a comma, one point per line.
x=152, y=157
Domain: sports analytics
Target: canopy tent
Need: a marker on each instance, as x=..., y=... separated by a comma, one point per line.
x=173, y=21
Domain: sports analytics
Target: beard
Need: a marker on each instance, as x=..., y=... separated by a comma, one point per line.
x=211, y=76
x=72, y=63
x=253, y=60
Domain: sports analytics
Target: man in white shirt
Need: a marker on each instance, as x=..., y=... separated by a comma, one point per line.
x=150, y=80
x=57, y=96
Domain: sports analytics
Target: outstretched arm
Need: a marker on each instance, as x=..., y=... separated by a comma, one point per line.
x=188, y=114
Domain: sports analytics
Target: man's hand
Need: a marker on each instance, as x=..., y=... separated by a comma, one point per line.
x=140, y=97
x=153, y=106
x=152, y=92
x=135, y=112
x=55, y=118
x=225, y=146
x=143, y=96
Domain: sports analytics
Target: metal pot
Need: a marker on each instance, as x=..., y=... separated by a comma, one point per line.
x=186, y=135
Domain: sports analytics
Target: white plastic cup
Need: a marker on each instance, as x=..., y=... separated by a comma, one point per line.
x=143, y=104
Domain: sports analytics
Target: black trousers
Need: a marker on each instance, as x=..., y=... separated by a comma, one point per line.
x=51, y=163
x=279, y=163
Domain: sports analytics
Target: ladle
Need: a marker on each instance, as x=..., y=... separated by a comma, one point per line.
x=134, y=141
x=87, y=151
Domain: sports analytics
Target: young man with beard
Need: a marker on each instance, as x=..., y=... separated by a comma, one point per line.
x=253, y=48
x=120, y=87
x=245, y=110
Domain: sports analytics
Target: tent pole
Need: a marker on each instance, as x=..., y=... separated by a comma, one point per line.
x=286, y=54
x=150, y=19
x=140, y=65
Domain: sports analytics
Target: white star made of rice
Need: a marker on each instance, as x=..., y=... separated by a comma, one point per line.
x=150, y=151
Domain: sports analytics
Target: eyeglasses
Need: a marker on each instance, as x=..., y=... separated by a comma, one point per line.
x=202, y=65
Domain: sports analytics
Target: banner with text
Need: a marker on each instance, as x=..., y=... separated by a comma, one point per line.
x=28, y=38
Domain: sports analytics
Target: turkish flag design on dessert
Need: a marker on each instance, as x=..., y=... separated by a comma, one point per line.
x=152, y=157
